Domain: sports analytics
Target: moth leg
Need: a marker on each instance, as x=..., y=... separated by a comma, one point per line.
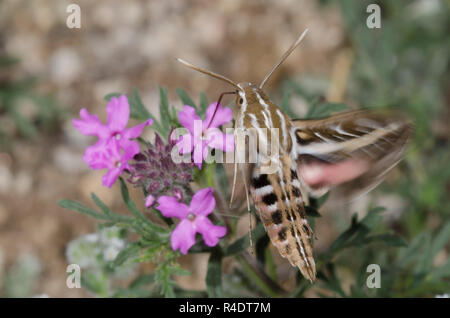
x=234, y=184
x=252, y=248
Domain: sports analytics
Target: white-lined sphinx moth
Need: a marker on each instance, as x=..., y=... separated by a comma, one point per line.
x=348, y=149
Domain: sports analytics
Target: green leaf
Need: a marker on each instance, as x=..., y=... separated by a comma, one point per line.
x=214, y=273
x=95, y=282
x=222, y=179
x=144, y=222
x=78, y=207
x=128, y=252
x=185, y=98
x=113, y=216
x=164, y=109
x=342, y=239
x=111, y=95
x=203, y=103
x=387, y=238
x=243, y=243
x=310, y=211
x=441, y=240
x=373, y=218
x=412, y=252
x=137, y=107
x=177, y=270
x=325, y=109
x=25, y=127
x=142, y=280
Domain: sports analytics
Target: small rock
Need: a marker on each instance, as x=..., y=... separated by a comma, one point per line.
x=65, y=66
x=69, y=161
x=23, y=182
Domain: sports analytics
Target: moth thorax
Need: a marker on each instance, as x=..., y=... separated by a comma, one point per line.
x=244, y=85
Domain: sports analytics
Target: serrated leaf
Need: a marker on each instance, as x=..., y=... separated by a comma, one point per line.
x=137, y=107
x=164, y=109
x=185, y=98
x=78, y=207
x=113, y=216
x=203, y=103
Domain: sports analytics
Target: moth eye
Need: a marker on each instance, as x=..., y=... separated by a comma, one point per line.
x=241, y=100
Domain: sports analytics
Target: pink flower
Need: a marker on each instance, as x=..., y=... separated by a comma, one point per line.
x=118, y=111
x=204, y=134
x=112, y=157
x=193, y=220
x=114, y=146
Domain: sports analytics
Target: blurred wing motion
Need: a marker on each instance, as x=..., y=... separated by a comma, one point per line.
x=353, y=150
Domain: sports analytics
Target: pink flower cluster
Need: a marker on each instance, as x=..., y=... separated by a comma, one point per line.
x=114, y=147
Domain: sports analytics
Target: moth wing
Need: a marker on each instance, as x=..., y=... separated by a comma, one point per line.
x=352, y=150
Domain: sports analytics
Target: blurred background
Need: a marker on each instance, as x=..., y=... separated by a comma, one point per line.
x=49, y=71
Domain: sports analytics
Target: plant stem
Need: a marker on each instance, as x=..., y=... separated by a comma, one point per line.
x=259, y=277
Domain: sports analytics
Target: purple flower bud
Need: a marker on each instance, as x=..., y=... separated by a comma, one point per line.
x=149, y=201
x=155, y=171
x=178, y=194
x=154, y=186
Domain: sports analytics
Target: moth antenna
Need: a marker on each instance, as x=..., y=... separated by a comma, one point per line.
x=285, y=55
x=215, y=75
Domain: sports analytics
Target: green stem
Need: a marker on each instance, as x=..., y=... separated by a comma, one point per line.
x=269, y=287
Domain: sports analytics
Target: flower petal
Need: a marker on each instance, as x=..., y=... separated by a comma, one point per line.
x=200, y=153
x=96, y=155
x=111, y=176
x=203, y=202
x=210, y=232
x=136, y=131
x=130, y=149
x=170, y=207
x=219, y=140
x=118, y=111
x=90, y=124
x=222, y=116
x=149, y=200
x=183, y=236
x=185, y=144
x=187, y=117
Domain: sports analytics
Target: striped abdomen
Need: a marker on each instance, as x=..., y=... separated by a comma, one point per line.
x=278, y=199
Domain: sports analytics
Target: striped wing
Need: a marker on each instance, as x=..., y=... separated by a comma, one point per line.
x=353, y=149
